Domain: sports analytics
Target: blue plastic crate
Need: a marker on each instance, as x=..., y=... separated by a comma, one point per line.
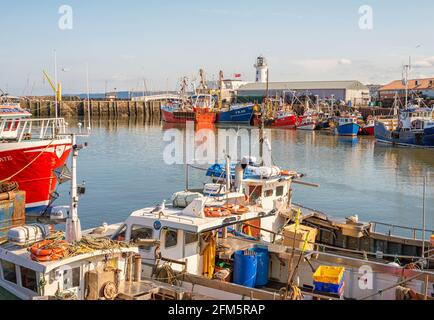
x=328, y=287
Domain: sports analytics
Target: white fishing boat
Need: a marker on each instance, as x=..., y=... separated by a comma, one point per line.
x=229, y=222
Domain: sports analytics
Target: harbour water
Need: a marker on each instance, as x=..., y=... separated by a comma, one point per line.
x=124, y=170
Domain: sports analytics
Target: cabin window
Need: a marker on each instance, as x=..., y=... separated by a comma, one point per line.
x=170, y=238
x=190, y=237
x=71, y=278
x=268, y=193
x=141, y=233
x=9, y=272
x=120, y=234
x=279, y=191
x=28, y=279
x=8, y=125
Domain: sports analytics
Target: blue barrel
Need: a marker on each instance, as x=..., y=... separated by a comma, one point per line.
x=245, y=269
x=262, y=274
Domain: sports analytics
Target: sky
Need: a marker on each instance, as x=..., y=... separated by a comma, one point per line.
x=132, y=42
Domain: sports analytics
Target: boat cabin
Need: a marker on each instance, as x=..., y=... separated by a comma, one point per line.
x=416, y=119
x=16, y=125
x=181, y=231
x=10, y=120
x=68, y=277
x=347, y=120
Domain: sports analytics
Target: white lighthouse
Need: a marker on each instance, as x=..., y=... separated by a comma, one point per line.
x=261, y=69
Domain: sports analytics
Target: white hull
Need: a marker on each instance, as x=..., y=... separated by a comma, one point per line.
x=309, y=126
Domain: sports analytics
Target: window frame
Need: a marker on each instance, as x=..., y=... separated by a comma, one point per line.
x=3, y=274
x=191, y=233
x=141, y=227
x=165, y=238
x=36, y=279
x=117, y=233
x=280, y=188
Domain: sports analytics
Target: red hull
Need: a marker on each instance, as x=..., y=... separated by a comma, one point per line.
x=290, y=122
x=37, y=160
x=369, y=130
x=198, y=116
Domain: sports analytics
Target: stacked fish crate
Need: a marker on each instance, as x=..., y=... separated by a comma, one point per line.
x=329, y=280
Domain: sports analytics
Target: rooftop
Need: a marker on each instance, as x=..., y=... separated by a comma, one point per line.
x=422, y=84
x=305, y=85
x=177, y=219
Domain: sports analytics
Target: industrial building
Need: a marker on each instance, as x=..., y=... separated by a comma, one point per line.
x=351, y=92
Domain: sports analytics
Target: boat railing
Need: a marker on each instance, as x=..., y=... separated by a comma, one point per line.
x=400, y=231
x=19, y=130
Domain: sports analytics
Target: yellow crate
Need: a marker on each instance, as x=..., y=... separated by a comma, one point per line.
x=326, y=274
x=432, y=240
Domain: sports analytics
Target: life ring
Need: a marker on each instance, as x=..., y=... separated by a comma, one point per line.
x=216, y=212
x=236, y=209
x=53, y=257
x=42, y=249
x=287, y=173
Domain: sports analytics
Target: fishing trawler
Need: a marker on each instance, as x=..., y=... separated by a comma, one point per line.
x=30, y=149
x=308, y=122
x=369, y=127
x=347, y=126
x=199, y=110
x=242, y=114
x=287, y=120
x=415, y=128
x=206, y=237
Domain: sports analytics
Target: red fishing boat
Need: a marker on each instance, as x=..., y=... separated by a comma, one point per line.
x=200, y=110
x=288, y=120
x=30, y=149
x=369, y=127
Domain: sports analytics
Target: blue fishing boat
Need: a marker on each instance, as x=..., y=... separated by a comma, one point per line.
x=236, y=114
x=348, y=126
x=415, y=128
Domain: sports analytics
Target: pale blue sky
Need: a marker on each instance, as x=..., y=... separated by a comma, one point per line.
x=126, y=41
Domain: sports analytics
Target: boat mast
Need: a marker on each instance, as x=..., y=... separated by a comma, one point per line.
x=406, y=72
x=73, y=227
x=423, y=221
x=89, y=128
x=56, y=91
x=220, y=90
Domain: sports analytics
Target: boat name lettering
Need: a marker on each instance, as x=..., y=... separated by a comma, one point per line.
x=6, y=159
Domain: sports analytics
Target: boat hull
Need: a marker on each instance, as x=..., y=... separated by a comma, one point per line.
x=31, y=164
x=369, y=130
x=240, y=115
x=288, y=122
x=175, y=116
x=420, y=138
x=172, y=116
x=307, y=126
x=349, y=129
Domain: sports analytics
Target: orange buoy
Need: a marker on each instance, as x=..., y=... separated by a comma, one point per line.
x=45, y=251
x=288, y=173
x=216, y=212
x=237, y=209
x=53, y=257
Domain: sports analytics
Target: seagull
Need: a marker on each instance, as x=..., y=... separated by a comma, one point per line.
x=160, y=208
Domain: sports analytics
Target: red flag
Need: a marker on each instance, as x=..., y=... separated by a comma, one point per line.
x=237, y=75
